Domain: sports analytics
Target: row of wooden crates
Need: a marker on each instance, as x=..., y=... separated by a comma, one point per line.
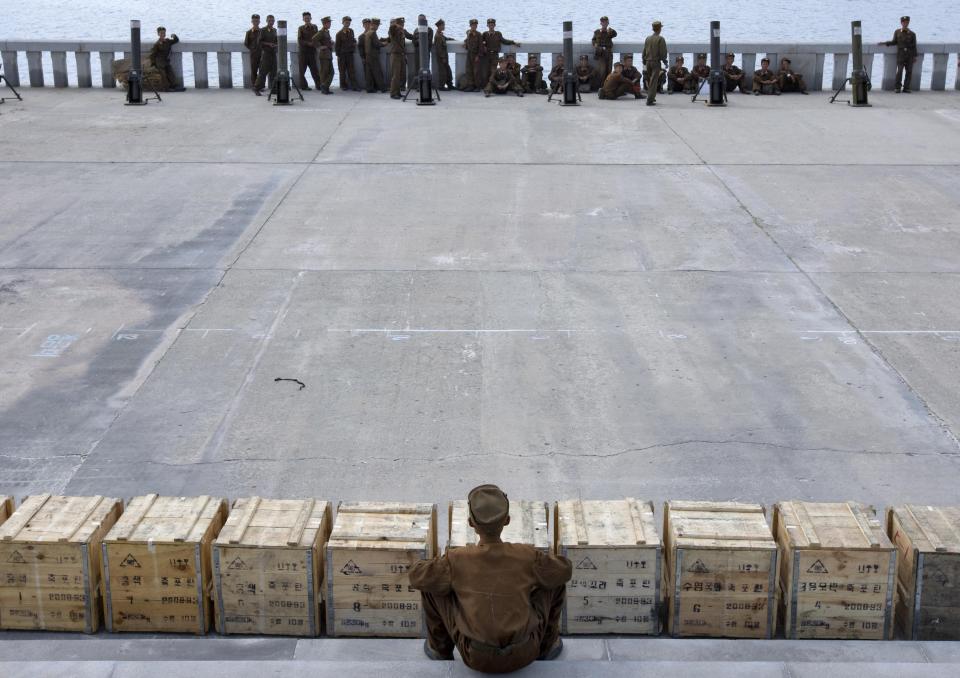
x=278, y=566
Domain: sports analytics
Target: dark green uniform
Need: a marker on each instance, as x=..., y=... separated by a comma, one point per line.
x=493, y=40
x=252, y=42
x=501, y=82
x=268, y=58
x=532, y=79
x=679, y=79
x=603, y=50
x=654, y=54
x=733, y=78
x=372, y=71
x=345, y=45
x=160, y=56
x=307, y=55
x=906, y=43
x=442, y=55
x=325, y=56
x=765, y=81
x=473, y=74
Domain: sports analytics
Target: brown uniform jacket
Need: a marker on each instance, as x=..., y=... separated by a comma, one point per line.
x=372, y=44
x=306, y=35
x=613, y=84
x=252, y=40
x=473, y=42
x=397, y=36
x=631, y=74
x=654, y=50
x=493, y=40
x=603, y=39
x=729, y=71
x=767, y=77
x=556, y=75
x=701, y=71
x=268, y=40
x=345, y=43
x=440, y=48
x=679, y=74
x=491, y=584
x=160, y=53
x=906, y=42
x=324, y=43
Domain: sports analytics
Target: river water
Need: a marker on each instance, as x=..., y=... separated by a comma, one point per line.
x=540, y=20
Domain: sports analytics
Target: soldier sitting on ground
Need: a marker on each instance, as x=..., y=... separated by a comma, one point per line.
x=700, y=72
x=160, y=58
x=765, y=81
x=503, y=81
x=586, y=74
x=498, y=603
x=732, y=75
x=678, y=78
x=615, y=85
x=556, y=75
x=514, y=67
x=789, y=80
x=632, y=75
x=532, y=76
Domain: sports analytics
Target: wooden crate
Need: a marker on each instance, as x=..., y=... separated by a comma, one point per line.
x=6, y=507
x=50, y=562
x=616, y=553
x=268, y=567
x=371, y=550
x=720, y=568
x=927, y=539
x=837, y=571
x=157, y=569
x=528, y=524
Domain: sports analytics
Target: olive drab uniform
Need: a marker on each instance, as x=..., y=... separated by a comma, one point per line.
x=498, y=603
x=397, y=56
x=905, y=41
x=632, y=75
x=654, y=54
x=160, y=56
x=503, y=81
x=765, y=82
x=587, y=75
x=733, y=78
x=372, y=71
x=325, y=55
x=345, y=46
x=251, y=41
x=679, y=79
x=697, y=73
x=615, y=86
x=492, y=42
x=790, y=81
x=532, y=79
x=268, y=58
x=603, y=51
x=472, y=76
x=307, y=55
x=442, y=56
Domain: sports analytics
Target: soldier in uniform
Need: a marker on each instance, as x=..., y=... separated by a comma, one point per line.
x=699, y=73
x=324, y=53
x=362, y=42
x=345, y=45
x=905, y=41
x=632, y=75
x=532, y=76
x=586, y=75
x=654, y=54
x=307, y=52
x=160, y=56
x=251, y=41
x=442, y=55
x=493, y=40
x=732, y=75
x=473, y=44
x=396, y=50
x=679, y=78
x=498, y=603
x=556, y=75
x=503, y=80
x=603, y=47
x=789, y=80
x=514, y=67
x=765, y=81
x=372, y=72
x=615, y=85
x=268, y=57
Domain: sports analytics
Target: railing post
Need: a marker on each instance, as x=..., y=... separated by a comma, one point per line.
x=11, y=69
x=841, y=61
x=889, y=71
x=868, y=64
x=817, y=84
x=84, y=74
x=939, y=80
x=35, y=68
x=59, y=60
x=749, y=65
x=956, y=83
x=245, y=65
x=176, y=60
x=200, y=77
x=106, y=69
x=225, y=70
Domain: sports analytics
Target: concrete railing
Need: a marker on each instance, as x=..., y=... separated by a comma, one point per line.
x=232, y=59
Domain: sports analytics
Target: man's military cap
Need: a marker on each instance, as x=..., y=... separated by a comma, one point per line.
x=583, y=57
x=326, y=18
x=306, y=14
x=161, y=28
x=904, y=18
x=679, y=57
x=473, y=21
x=346, y=18
x=701, y=55
x=489, y=506
x=491, y=21
x=787, y=60
x=254, y=16
x=603, y=18
x=729, y=54
x=439, y=21
x=658, y=23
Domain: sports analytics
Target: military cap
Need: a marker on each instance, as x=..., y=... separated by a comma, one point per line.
x=730, y=54
x=583, y=56
x=701, y=55
x=658, y=23
x=325, y=19
x=679, y=58
x=254, y=16
x=364, y=21
x=374, y=20
x=439, y=21
x=904, y=18
x=603, y=18
x=489, y=506
x=161, y=28
x=473, y=21
x=306, y=14
x=346, y=18
x=491, y=21
x=787, y=60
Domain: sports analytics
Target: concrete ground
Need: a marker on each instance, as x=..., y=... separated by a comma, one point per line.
x=754, y=303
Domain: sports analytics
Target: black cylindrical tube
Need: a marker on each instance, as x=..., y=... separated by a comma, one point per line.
x=569, y=81
x=134, y=78
x=717, y=85
x=859, y=77
x=136, y=61
x=283, y=72
x=424, y=79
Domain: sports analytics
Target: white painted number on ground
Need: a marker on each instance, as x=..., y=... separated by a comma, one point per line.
x=54, y=345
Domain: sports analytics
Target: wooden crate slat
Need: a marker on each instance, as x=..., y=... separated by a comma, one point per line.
x=391, y=508
x=6, y=508
x=136, y=511
x=23, y=515
x=298, y=528
x=235, y=531
x=716, y=507
x=864, y=525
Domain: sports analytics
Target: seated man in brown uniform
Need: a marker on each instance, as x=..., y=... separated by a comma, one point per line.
x=765, y=81
x=700, y=71
x=678, y=78
x=789, y=80
x=632, y=75
x=732, y=75
x=498, y=603
x=503, y=80
x=556, y=75
x=586, y=75
x=615, y=85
